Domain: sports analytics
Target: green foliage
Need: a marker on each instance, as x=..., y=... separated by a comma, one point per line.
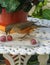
x=9, y=5
x=46, y=14
x=33, y=60
x=39, y=12
x=14, y=5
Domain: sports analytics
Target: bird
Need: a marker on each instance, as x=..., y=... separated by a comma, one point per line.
x=23, y=28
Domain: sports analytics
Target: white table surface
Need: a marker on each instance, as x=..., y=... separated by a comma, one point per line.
x=42, y=35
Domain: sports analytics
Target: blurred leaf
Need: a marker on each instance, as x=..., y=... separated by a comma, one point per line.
x=39, y=12
x=46, y=14
x=10, y=5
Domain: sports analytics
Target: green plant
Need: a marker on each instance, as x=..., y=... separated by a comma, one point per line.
x=14, y=5
x=39, y=12
x=46, y=14
x=9, y=5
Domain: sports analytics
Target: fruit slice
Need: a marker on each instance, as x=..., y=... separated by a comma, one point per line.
x=2, y=28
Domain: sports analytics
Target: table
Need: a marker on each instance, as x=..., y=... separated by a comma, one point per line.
x=23, y=58
x=18, y=54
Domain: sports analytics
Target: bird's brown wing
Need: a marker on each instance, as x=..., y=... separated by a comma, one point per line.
x=23, y=27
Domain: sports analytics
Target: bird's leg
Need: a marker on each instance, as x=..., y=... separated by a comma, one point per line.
x=24, y=36
x=8, y=33
x=27, y=34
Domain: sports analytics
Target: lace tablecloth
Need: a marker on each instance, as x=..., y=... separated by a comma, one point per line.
x=41, y=34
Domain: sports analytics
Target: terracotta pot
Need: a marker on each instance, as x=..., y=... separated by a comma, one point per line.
x=20, y=16
x=5, y=18
x=10, y=18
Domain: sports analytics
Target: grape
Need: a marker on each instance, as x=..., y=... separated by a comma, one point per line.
x=3, y=38
x=9, y=38
x=33, y=41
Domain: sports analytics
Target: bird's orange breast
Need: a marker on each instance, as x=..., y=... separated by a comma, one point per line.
x=2, y=28
x=26, y=30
